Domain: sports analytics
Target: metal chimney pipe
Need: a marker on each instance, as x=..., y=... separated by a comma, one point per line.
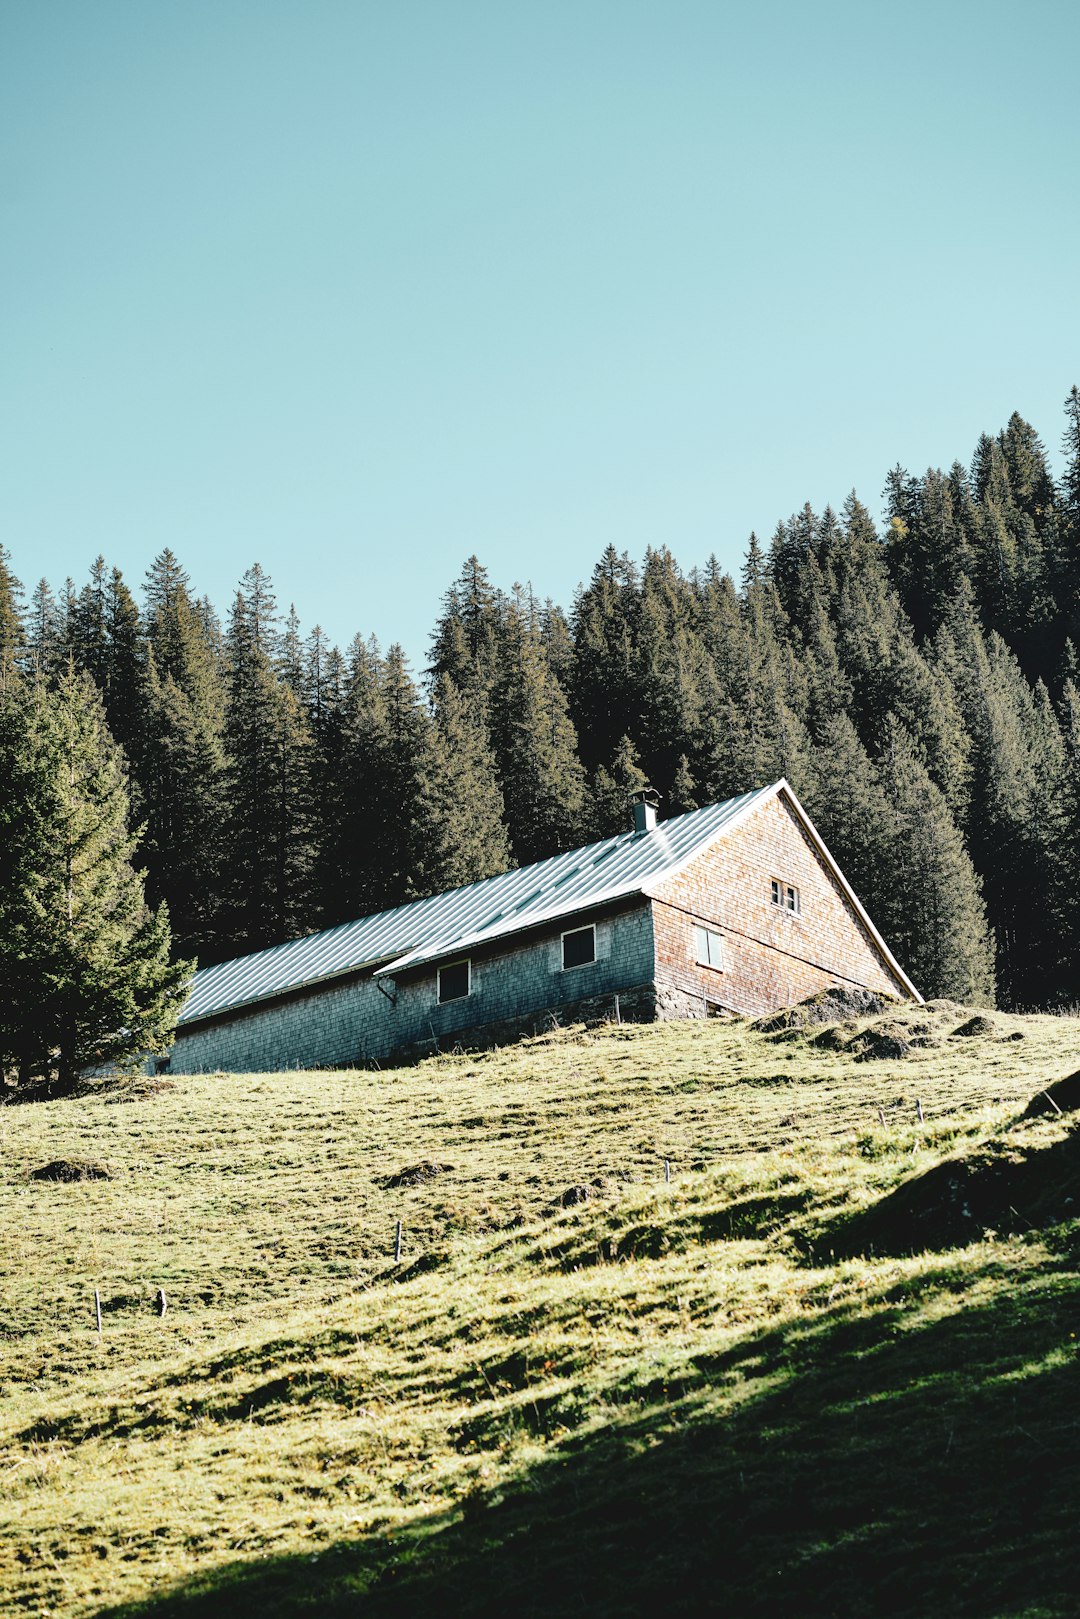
x=645, y=804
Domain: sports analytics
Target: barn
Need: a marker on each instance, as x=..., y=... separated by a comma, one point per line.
x=737, y=907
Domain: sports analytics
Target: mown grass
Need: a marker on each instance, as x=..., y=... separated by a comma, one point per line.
x=815, y=1373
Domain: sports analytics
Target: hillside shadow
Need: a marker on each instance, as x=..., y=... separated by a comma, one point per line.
x=896, y=1463
x=1004, y=1191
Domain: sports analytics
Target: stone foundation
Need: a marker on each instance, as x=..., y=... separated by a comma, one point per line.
x=636, y=1005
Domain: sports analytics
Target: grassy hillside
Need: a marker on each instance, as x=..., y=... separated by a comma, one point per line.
x=829, y=1369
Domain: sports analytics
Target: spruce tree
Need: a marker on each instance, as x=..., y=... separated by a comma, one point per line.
x=850, y=809
x=84, y=961
x=535, y=745
x=181, y=764
x=461, y=832
x=927, y=903
x=12, y=631
x=602, y=681
x=466, y=637
x=611, y=792
x=43, y=632
x=268, y=853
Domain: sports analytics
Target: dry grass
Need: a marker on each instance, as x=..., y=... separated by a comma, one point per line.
x=534, y=1380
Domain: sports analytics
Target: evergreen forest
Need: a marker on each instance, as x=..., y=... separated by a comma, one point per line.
x=917, y=680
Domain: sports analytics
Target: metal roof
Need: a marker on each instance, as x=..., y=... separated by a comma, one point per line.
x=465, y=918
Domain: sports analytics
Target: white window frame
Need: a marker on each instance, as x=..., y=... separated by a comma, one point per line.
x=589, y=927
x=785, y=896
x=710, y=933
x=450, y=999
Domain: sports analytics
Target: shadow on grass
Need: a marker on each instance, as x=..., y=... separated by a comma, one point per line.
x=907, y=1462
x=1006, y=1190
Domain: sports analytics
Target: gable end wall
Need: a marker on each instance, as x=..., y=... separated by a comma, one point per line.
x=771, y=957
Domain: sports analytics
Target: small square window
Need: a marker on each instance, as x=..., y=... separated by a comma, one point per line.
x=786, y=895
x=579, y=947
x=455, y=981
x=708, y=948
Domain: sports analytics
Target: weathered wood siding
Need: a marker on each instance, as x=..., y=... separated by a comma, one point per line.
x=772, y=958
x=340, y=1024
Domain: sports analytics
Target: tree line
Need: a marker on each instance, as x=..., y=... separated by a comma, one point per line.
x=917, y=684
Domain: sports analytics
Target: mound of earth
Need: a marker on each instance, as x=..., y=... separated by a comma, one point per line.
x=415, y=1175
x=1061, y=1097
x=881, y=1044
x=1003, y=1190
x=72, y=1169
x=600, y=1187
x=979, y=1024
x=827, y=1006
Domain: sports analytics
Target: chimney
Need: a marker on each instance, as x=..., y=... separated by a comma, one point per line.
x=645, y=804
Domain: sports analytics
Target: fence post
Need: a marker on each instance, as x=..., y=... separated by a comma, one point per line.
x=397, y=1244
x=97, y=1309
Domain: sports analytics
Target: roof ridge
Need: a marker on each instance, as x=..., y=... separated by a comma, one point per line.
x=572, y=882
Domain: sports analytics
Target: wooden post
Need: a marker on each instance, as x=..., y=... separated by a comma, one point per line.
x=97, y=1309
x=397, y=1244
x=162, y=1301
x=667, y=1171
x=881, y=1116
x=618, y=1013
x=918, y=1110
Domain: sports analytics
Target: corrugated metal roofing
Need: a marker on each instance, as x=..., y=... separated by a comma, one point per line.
x=464, y=918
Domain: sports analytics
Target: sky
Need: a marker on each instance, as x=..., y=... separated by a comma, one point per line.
x=359, y=289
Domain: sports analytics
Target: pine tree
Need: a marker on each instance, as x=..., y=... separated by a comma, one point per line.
x=43, y=631
x=85, y=962
x=12, y=631
x=602, y=680
x=182, y=780
x=268, y=852
x=181, y=762
x=465, y=642
x=1068, y=846
x=927, y=903
x=682, y=797
x=403, y=770
x=535, y=747
x=851, y=811
x=611, y=792
x=461, y=834
x=124, y=684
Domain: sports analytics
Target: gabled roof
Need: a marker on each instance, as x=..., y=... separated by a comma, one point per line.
x=464, y=918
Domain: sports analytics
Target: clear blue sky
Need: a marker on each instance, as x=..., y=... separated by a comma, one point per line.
x=356, y=289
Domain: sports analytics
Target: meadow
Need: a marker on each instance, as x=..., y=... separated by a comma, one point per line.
x=689, y=1318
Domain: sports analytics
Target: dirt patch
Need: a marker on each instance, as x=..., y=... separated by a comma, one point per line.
x=885, y=1043
x=588, y=1191
x=828, y=1006
x=415, y=1175
x=979, y=1024
x=72, y=1169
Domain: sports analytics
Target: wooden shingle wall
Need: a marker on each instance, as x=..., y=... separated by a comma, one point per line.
x=772, y=958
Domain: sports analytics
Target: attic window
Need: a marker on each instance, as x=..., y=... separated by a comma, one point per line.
x=579, y=947
x=785, y=895
x=708, y=948
x=455, y=981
